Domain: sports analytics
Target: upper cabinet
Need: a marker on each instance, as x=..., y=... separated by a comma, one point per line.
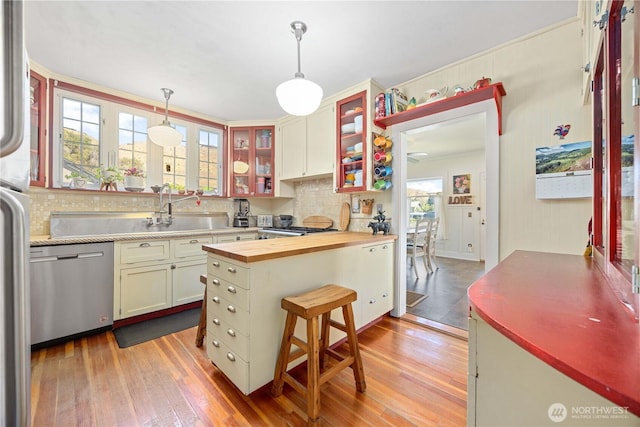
x=251, y=162
x=306, y=144
x=616, y=153
x=351, y=147
x=38, y=109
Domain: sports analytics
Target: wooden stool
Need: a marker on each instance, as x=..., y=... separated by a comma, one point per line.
x=310, y=306
x=202, y=323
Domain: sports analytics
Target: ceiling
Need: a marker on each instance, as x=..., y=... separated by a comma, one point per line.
x=224, y=59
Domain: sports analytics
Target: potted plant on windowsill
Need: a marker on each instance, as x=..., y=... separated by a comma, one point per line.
x=77, y=180
x=133, y=179
x=109, y=178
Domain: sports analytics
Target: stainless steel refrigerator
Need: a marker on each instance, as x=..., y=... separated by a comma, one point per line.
x=15, y=359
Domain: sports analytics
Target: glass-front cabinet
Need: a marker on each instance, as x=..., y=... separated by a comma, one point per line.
x=37, y=109
x=251, y=164
x=351, y=155
x=616, y=152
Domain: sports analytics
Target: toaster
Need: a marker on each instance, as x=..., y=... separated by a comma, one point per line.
x=265, y=220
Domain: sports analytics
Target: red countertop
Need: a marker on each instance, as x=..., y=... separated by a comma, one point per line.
x=560, y=309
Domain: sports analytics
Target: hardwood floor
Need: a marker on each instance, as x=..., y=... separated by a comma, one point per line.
x=447, y=301
x=415, y=377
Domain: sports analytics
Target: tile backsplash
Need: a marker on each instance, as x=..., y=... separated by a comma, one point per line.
x=312, y=197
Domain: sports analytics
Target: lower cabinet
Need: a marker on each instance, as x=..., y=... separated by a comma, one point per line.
x=153, y=275
x=244, y=318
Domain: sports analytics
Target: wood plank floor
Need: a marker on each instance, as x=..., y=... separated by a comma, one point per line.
x=415, y=377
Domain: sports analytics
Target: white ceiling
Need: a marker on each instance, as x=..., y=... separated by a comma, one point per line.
x=225, y=58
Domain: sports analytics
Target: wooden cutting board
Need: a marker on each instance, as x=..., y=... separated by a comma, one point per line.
x=317, y=221
x=345, y=216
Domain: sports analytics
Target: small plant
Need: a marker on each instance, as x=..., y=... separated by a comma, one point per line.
x=110, y=174
x=74, y=175
x=134, y=172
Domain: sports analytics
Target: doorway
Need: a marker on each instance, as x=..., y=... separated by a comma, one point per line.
x=401, y=134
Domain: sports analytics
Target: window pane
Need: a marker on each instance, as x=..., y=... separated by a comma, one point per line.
x=132, y=142
x=423, y=198
x=209, y=154
x=80, y=140
x=175, y=162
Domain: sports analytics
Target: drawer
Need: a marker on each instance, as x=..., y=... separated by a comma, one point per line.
x=152, y=250
x=221, y=309
x=237, y=343
x=376, y=305
x=190, y=247
x=228, y=271
x=235, y=295
x=236, y=369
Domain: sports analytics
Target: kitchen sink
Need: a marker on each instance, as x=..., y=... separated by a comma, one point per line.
x=78, y=224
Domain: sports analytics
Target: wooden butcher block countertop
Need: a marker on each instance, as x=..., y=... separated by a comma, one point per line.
x=261, y=250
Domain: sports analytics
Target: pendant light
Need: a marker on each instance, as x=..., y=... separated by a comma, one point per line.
x=299, y=96
x=164, y=134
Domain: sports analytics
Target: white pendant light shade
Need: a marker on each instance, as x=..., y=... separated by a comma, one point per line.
x=164, y=134
x=299, y=96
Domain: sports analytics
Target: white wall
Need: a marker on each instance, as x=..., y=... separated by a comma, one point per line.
x=542, y=77
x=461, y=225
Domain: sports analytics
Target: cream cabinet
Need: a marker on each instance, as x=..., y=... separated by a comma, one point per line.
x=225, y=238
x=152, y=275
x=306, y=144
x=244, y=317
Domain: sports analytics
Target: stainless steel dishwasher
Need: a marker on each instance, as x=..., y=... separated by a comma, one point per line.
x=71, y=291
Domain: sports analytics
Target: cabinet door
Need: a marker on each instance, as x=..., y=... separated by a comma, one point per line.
x=186, y=281
x=191, y=247
x=251, y=162
x=377, y=290
x=351, y=150
x=144, y=290
x=320, y=148
x=293, y=134
x=241, y=164
x=152, y=250
x=38, y=111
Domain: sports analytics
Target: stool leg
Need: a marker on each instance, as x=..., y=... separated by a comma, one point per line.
x=283, y=357
x=324, y=338
x=202, y=323
x=358, y=370
x=313, y=370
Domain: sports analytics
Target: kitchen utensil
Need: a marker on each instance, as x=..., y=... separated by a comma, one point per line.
x=348, y=128
x=317, y=221
x=345, y=216
x=240, y=167
x=357, y=121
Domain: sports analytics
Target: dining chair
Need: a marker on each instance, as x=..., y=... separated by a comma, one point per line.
x=431, y=247
x=418, y=243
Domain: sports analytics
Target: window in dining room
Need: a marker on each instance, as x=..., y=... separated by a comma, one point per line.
x=424, y=199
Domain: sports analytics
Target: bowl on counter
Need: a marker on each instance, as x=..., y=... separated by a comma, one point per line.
x=156, y=188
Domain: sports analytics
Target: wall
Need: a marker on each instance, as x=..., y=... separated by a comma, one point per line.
x=542, y=77
x=460, y=224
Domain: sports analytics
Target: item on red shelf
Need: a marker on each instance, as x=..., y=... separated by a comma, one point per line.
x=381, y=111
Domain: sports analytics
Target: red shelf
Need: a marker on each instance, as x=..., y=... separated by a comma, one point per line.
x=495, y=91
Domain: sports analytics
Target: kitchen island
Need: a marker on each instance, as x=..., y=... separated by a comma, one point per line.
x=550, y=343
x=247, y=280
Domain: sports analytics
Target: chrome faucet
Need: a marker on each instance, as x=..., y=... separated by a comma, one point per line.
x=159, y=218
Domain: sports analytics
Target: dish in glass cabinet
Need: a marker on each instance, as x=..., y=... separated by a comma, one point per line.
x=134, y=189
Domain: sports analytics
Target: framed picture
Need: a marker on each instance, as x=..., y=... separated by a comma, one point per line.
x=462, y=184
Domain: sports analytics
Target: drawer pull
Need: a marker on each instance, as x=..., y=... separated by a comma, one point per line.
x=386, y=294
x=216, y=300
x=216, y=322
x=216, y=282
x=231, y=309
x=385, y=247
x=231, y=270
x=372, y=249
x=372, y=301
x=231, y=332
x=231, y=289
x=231, y=357
x=215, y=264
x=216, y=343
x=194, y=241
x=144, y=245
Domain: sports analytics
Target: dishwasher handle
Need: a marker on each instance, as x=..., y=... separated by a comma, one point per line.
x=68, y=256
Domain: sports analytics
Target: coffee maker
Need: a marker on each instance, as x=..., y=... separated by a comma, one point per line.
x=243, y=211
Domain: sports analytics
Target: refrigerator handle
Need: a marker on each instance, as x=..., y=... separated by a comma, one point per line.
x=16, y=311
x=14, y=67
